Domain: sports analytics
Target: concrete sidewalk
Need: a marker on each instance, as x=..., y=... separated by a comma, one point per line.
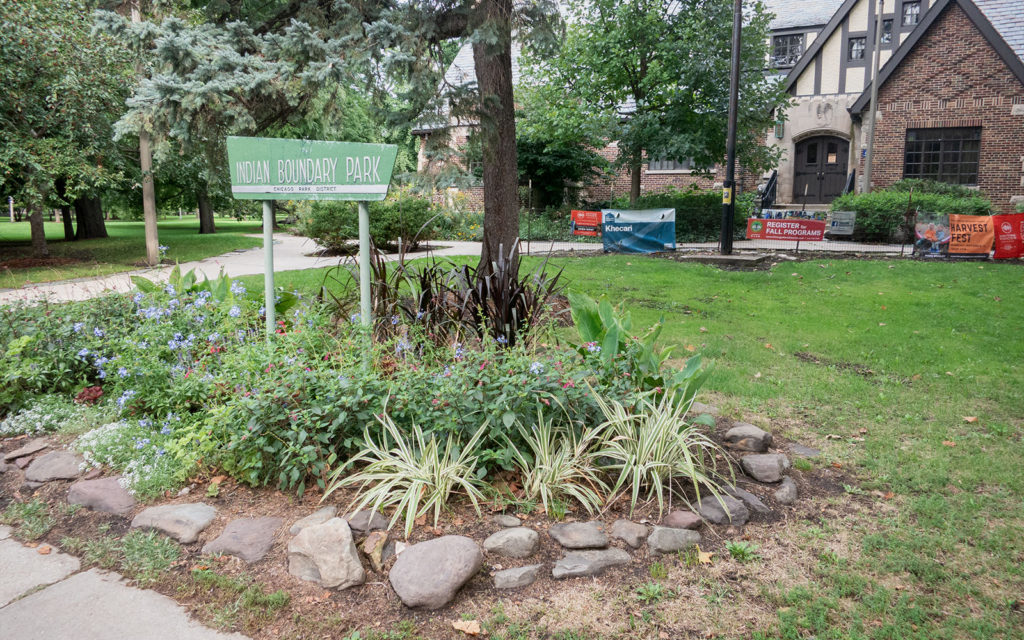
x=291, y=253
x=46, y=597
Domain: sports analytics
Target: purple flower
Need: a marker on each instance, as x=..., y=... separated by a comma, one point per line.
x=98, y=332
x=234, y=311
x=78, y=326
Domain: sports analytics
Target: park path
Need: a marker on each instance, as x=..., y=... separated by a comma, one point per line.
x=45, y=597
x=291, y=253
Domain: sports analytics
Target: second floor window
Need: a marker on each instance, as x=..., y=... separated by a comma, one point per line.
x=887, y=31
x=911, y=13
x=856, y=49
x=786, y=50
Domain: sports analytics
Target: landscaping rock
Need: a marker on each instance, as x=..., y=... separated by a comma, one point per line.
x=326, y=554
x=365, y=520
x=4, y=467
x=588, y=563
x=747, y=437
x=247, y=538
x=682, y=519
x=183, y=522
x=56, y=465
x=629, y=532
x=748, y=498
x=803, y=450
x=504, y=520
x=786, y=493
x=579, y=535
x=518, y=577
x=698, y=408
x=517, y=542
x=734, y=511
x=27, y=449
x=92, y=474
x=317, y=517
x=670, y=540
x=429, y=574
x=21, y=463
x=104, y=494
x=374, y=547
x=765, y=467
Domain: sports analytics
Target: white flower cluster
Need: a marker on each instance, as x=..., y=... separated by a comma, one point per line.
x=129, y=448
x=46, y=415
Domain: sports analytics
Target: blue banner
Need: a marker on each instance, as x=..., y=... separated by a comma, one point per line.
x=639, y=231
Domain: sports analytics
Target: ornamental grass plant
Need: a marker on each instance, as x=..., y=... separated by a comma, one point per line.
x=413, y=473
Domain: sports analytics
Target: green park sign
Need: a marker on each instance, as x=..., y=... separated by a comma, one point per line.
x=286, y=169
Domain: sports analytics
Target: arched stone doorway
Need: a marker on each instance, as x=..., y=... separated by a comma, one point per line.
x=820, y=169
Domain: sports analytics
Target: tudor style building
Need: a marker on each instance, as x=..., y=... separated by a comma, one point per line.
x=948, y=85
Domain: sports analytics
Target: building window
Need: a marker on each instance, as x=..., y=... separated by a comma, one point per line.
x=786, y=50
x=911, y=13
x=670, y=165
x=887, y=31
x=855, y=51
x=946, y=155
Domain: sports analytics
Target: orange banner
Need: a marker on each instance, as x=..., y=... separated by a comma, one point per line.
x=970, y=235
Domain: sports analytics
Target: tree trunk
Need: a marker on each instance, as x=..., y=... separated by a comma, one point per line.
x=205, y=212
x=35, y=221
x=89, y=216
x=498, y=132
x=634, y=181
x=65, y=210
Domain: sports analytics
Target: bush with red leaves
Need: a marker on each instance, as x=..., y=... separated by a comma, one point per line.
x=89, y=395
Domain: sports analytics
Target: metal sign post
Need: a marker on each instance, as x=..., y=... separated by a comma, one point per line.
x=284, y=169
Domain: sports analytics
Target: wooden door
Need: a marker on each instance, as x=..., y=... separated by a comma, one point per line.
x=820, y=169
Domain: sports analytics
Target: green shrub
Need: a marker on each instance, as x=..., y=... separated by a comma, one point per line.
x=698, y=213
x=402, y=215
x=880, y=214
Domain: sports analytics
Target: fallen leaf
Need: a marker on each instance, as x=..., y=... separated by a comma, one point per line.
x=889, y=495
x=862, y=430
x=949, y=443
x=218, y=479
x=691, y=348
x=201, y=567
x=44, y=550
x=468, y=627
x=768, y=345
x=883, y=307
x=757, y=375
x=703, y=329
x=998, y=299
x=795, y=274
x=915, y=377
x=833, y=436
x=881, y=324
x=662, y=635
x=949, y=373
x=837, y=465
x=704, y=557
x=420, y=521
x=970, y=418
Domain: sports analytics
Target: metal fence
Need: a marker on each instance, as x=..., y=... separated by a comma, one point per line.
x=544, y=247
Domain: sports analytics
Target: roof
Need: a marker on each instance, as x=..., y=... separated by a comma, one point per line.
x=1007, y=18
x=1001, y=23
x=793, y=14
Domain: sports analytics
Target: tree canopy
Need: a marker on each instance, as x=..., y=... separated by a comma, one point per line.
x=63, y=88
x=654, y=76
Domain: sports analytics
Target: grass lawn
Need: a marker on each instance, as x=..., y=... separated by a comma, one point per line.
x=124, y=250
x=906, y=374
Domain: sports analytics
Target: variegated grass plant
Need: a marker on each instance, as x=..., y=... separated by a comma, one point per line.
x=415, y=474
x=653, y=447
x=560, y=464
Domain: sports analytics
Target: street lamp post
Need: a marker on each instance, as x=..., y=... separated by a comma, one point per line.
x=729, y=186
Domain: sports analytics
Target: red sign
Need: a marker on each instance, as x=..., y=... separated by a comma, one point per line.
x=1009, y=236
x=794, y=230
x=586, y=223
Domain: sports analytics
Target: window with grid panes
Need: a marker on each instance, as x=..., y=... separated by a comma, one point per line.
x=787, y=49
x=911, y=13
x=856, y=49
x=946, y=155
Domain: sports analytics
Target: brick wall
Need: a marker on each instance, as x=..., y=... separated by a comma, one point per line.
x=954, y=78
